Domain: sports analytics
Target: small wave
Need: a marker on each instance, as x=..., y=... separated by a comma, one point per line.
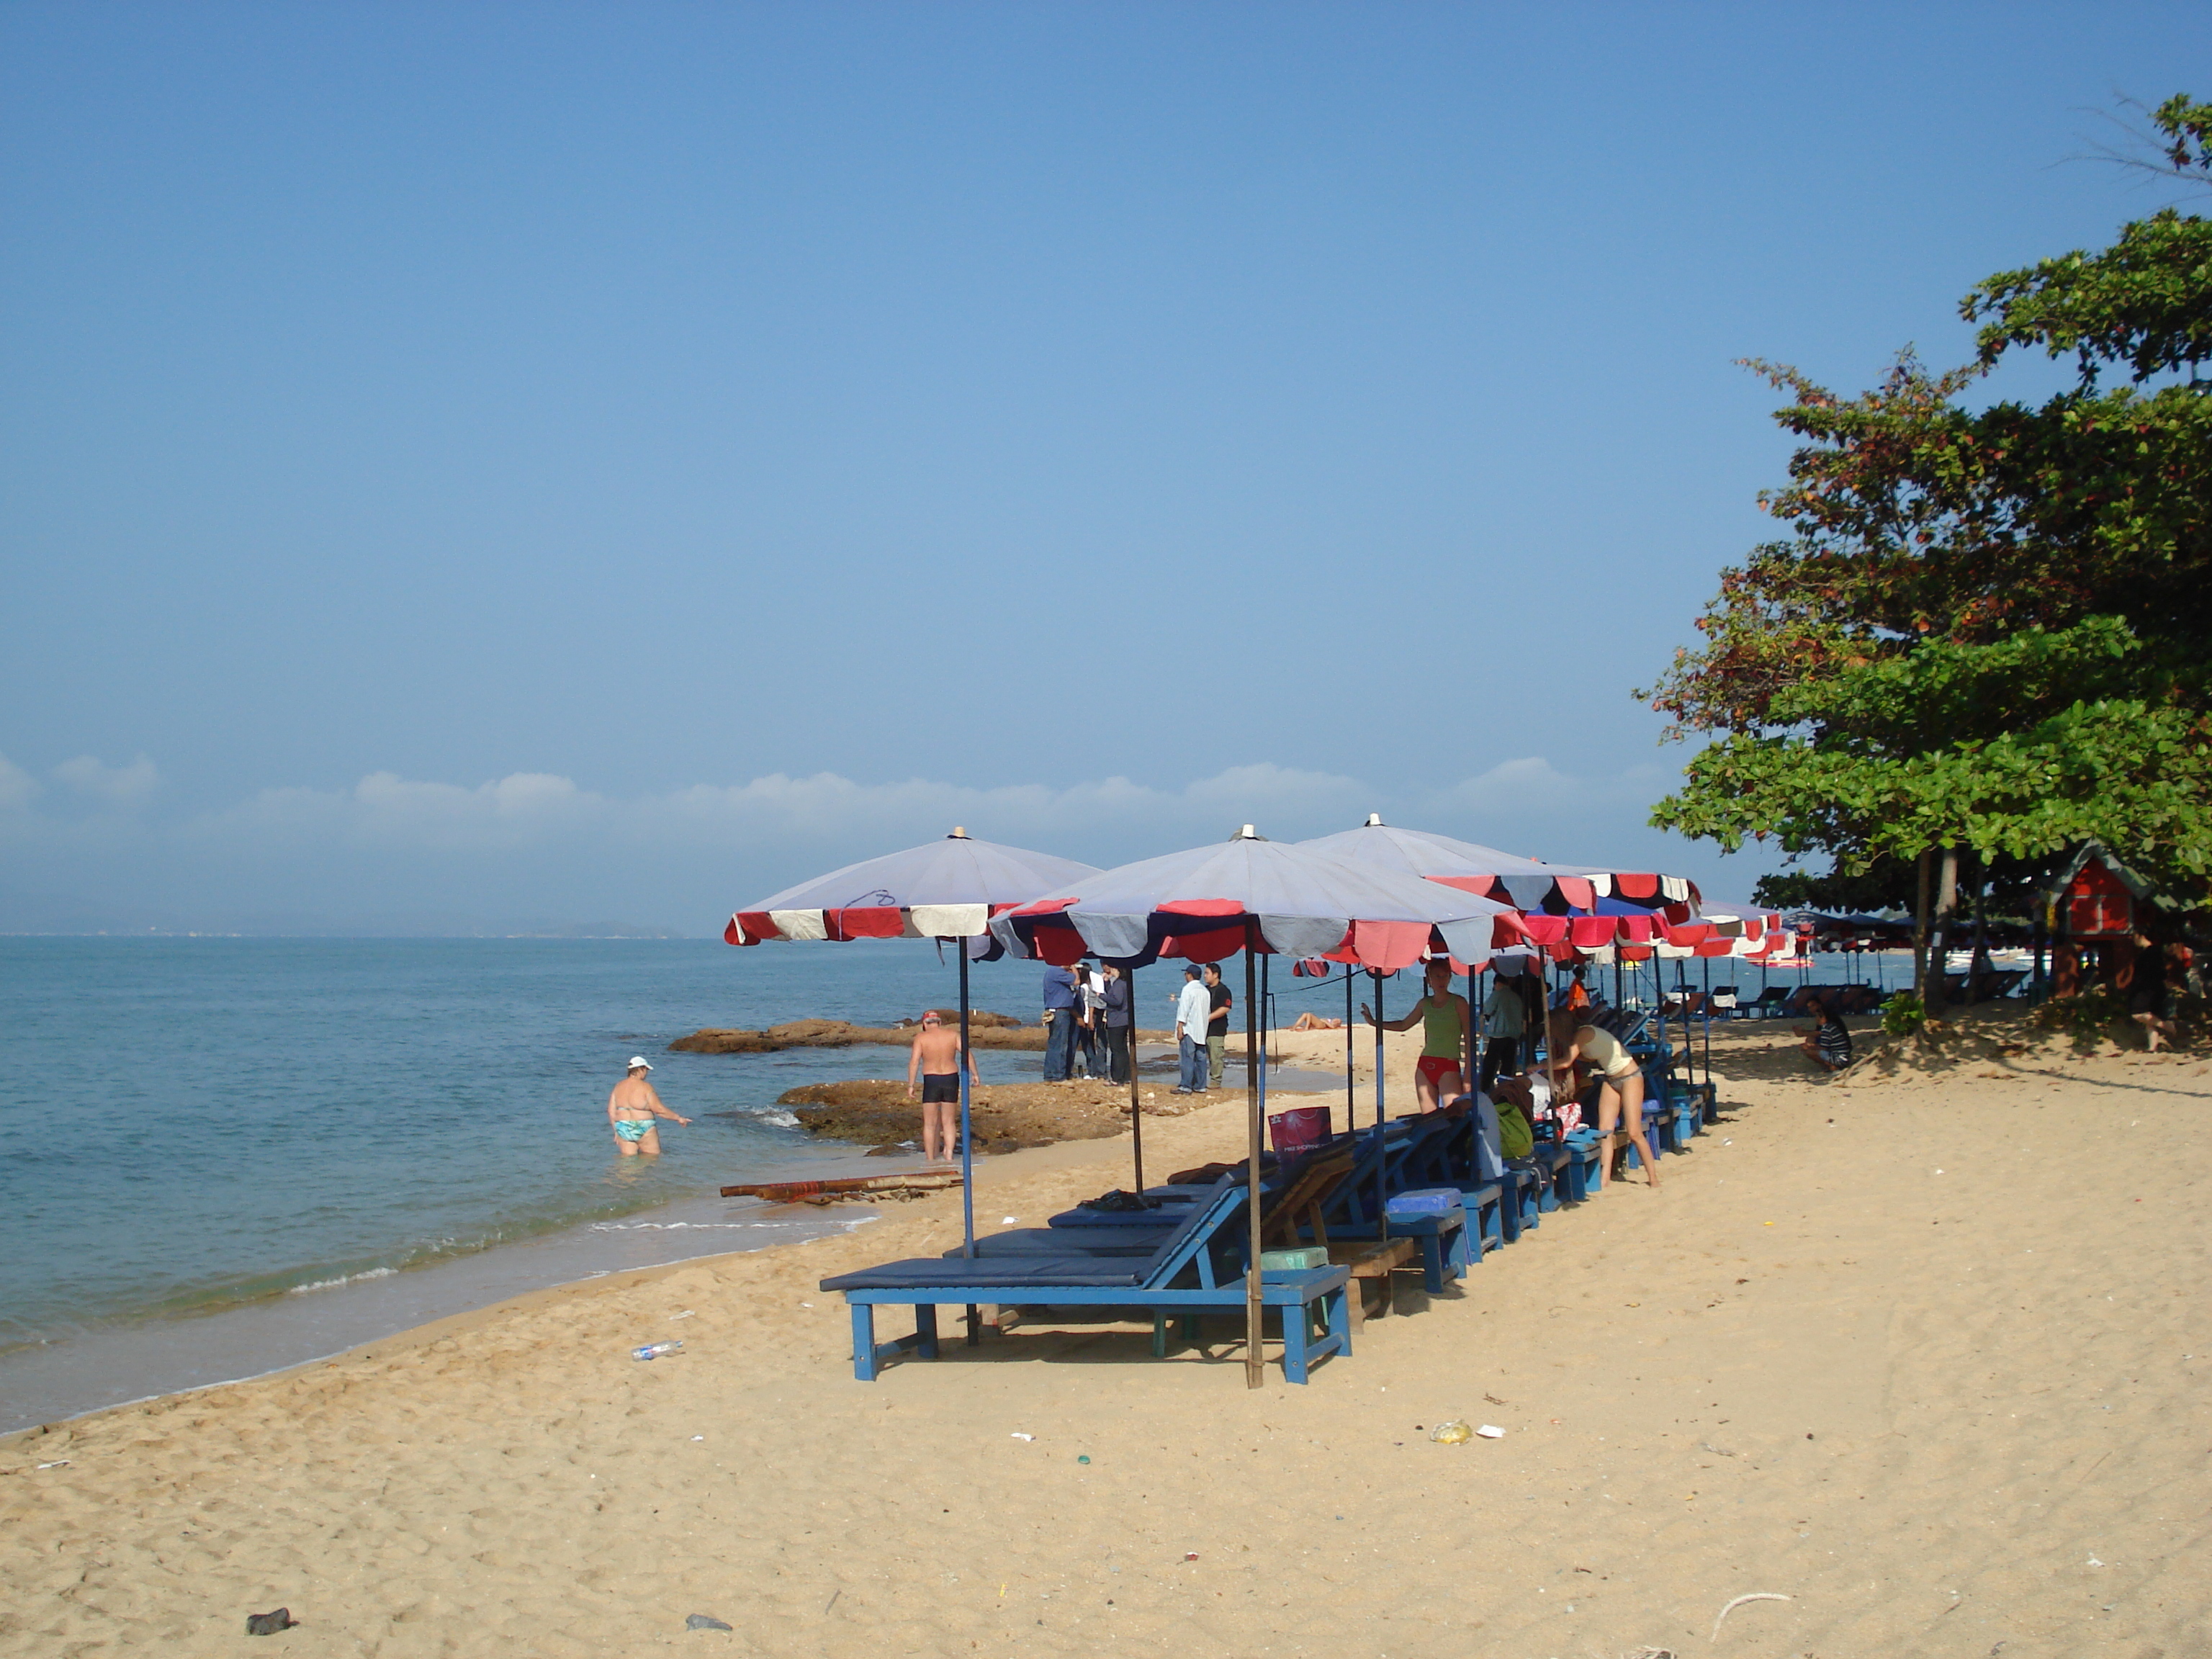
x=676, y=1226
x=848, y=1221
x=343, y=1279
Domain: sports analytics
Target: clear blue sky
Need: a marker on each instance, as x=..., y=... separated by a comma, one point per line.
x=491, y=462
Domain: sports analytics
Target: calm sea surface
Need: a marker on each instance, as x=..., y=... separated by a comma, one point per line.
x=221, y=1154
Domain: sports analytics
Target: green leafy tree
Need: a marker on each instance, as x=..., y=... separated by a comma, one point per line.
x=1985, y=629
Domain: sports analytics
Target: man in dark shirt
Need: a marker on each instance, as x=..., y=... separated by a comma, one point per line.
x=1058, y=1024
x=1216, y=1025
x=1118, y=1057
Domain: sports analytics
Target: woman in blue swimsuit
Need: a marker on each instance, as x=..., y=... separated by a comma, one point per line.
x=632, y=1110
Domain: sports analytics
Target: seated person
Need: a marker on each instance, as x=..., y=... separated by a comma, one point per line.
x=1826, y=1044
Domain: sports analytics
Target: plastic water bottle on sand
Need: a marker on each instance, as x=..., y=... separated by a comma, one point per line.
x=655, y=1350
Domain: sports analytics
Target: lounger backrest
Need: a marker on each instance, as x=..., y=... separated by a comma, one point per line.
x=1353, y=1201
x=1298, y=1203
x=1207, y=1217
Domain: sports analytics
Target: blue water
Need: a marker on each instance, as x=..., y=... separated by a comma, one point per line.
x=191, y=1125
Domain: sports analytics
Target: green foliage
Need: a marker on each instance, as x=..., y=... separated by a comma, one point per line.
x=1903, y=1014
x=2140, y=301
x=1886, y=885
x=1986, y=629
x=2088, y=1018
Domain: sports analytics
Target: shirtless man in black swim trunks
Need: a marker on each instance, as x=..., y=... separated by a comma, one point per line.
x=936, y=1059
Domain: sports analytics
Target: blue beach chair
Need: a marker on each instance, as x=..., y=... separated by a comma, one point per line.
x=1178, y=1279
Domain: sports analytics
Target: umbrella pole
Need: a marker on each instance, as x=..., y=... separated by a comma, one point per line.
x=1136, y=1117
x=1350, y=1103
x=967, y=1150
x=1708, y=962
x=1382, y=1227
x=1255, y=1360
x=1466, y=1038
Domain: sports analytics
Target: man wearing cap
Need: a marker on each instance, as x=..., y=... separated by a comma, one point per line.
x=632, y=1109
x=1194, y=1008
x=936, y=1060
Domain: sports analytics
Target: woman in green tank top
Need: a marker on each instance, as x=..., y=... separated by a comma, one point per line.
x=1439, y=1074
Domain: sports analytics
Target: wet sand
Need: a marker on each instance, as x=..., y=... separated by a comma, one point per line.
x=1925, y=1352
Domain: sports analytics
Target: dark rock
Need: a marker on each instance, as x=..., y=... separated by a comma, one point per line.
x=268, y=1624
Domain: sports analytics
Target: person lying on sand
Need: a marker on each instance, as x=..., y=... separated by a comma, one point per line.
x=1311, y=1021
x=936, y=1059
x=632, y=1108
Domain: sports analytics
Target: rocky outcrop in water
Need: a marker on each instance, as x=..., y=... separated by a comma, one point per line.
x=1006, y=1116
x=985, y=1030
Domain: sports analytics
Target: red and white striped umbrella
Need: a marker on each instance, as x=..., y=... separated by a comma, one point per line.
x=1298, y=902
x=1567, y=908
x=947, y=889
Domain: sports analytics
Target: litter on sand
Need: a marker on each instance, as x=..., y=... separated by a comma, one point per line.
x=1491, y=1431
x=1019, y=1435
x=703, y=1621
x=1451, y=1433
x=1755, y=1596
x=268, y=1624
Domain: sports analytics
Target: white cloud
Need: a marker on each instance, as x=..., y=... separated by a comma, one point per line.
x=823, y=810
x=18, y=788
x=541, y=845
x=119, y=786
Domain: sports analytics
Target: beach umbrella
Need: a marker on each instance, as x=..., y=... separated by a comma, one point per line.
x=1567, y=910
x=1587, y=906
x=945, y=890
x=1255, y=896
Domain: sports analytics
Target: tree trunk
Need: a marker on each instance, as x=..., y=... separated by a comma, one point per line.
x=1947, y=924
x=1920, y=930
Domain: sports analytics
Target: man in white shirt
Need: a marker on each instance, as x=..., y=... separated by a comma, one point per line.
x=1194, y=1008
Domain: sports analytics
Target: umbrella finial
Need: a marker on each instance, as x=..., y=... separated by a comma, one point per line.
x=1247, y=832
x=959, y=833
x=1374, y=821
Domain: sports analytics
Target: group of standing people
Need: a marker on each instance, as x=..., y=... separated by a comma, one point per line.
x=1201, y=1029
x=1087, y=1024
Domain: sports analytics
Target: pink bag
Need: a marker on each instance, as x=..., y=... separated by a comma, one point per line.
x=1297, y=1130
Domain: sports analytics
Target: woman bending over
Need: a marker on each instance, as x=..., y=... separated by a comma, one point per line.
x=1620, y=1101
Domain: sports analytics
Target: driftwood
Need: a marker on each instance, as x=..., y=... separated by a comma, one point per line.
x=829, y=1192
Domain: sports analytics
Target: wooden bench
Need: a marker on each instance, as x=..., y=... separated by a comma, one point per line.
x=1369, y=1260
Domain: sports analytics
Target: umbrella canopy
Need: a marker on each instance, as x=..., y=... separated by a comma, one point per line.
x=1528, y=884
x=947, y=889
x=1301, y=903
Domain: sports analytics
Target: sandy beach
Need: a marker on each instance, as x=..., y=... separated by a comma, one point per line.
x=1922, y=1351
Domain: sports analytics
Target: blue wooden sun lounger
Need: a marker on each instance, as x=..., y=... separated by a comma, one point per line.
x=1177, y=1278
x=1289, y=1203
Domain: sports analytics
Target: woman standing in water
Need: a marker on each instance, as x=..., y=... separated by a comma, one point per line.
x=632, y=1110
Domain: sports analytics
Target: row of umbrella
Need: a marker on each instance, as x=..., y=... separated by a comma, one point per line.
x=1376, y=897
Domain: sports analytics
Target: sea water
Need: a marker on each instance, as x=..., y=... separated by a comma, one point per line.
x=220, y=1155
